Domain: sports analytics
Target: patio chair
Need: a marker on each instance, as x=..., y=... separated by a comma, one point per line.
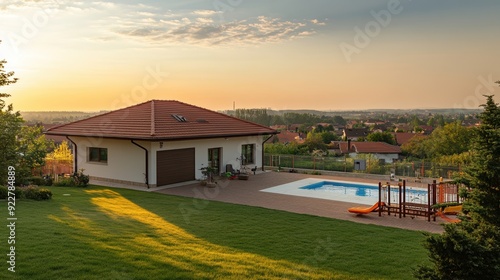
x=229, y=168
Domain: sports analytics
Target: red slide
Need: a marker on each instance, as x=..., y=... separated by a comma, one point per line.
x=446, y=218
x=363, y=210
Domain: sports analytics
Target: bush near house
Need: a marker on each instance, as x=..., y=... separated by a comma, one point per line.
x=78, y=179
x=29, y=192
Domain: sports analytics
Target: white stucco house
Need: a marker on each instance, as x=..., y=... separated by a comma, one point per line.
x=382, y=151
x=162, y=142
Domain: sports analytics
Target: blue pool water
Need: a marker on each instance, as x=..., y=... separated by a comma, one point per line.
x=353, y=190
x=346, y=191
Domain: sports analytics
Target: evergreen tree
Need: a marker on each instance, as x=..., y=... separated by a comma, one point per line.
x=471, y=249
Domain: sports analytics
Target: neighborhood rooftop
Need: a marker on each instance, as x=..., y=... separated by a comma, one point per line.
x=161, y=120
x=369, y=147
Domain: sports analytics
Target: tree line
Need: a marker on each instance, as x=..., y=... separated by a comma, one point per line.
x=264, y=117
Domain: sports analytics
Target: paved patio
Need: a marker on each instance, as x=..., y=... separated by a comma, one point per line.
x=248, y=193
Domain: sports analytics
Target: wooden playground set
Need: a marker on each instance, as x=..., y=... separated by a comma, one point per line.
x=408, y=201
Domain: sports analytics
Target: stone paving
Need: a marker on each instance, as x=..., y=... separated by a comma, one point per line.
x=248, y=193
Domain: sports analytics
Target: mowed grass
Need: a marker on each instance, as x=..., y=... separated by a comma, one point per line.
x=100, y=233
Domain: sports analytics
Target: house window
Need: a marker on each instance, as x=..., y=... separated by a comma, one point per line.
x=98, y=154
x=214, y=156
x=247, y=154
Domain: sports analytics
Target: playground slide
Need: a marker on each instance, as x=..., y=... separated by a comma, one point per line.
x=363, y=210
x=446, y=218
x=452, y=209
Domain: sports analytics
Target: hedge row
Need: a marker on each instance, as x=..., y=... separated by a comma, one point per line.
x=30, y=192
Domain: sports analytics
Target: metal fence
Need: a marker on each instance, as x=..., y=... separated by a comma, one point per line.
x=373, y=166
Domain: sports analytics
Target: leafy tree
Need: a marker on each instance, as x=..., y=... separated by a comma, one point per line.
x=416, y=147
x=431, y=122
x=319, y=128
x=10, y=125
x=386, y=137
x=31, y=150
x=314, y=141
x=471, y=249
x=329, y=137
x=456, y=159
x=452, y=138
x=440, y=120
x=61, y=152
x=415, y=122
x=338, y=120
x=259, y=116
x=21, y=147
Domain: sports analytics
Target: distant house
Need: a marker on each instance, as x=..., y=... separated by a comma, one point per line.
x=427, y=129
x=402, y=127
x=371, y=122
x=381, y=150
x=351, y=123
x=294, y=127
x=354, y=134
x=403, y=137
x=161, y=142
x=324, y=125
x=286, y=137
x=380, y=128
x=279, y=127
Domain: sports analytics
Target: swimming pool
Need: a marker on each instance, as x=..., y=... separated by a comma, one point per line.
x=345, y=191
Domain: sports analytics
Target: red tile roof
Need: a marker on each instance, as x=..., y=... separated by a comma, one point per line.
x=403, y=137
x=288, y=137
x=369, y=148
x=154, y=120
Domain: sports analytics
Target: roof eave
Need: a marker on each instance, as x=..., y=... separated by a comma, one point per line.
x=160, y=138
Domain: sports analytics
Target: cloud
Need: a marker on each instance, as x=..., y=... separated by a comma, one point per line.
x=317, y=22
x=157, y=26
x=205, y=31
x=205, y=12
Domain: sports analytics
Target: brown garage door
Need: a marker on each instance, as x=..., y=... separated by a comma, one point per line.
x=174, y=166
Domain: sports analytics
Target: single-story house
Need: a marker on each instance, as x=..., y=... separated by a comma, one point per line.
x=354, y=133
x=286, y=137
x=381, y=150
x=161, y=142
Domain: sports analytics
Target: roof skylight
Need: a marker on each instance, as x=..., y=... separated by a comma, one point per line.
x=179, y=118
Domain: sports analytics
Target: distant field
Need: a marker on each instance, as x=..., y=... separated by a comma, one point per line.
x=99, y=233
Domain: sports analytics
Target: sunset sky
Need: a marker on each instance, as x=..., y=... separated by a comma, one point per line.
x=281, y=54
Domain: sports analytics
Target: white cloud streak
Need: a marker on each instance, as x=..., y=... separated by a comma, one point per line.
x=152, y=25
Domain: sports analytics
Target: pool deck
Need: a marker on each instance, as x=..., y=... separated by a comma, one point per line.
x=248, y=193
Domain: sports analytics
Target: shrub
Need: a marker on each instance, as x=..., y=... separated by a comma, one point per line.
x=3, y=192
x=80, y=179
x=36, y=180
x=35, y=193
x=19, y=193
x=48, y=180
x=30, y=192
x=44, y=194
x=65, y=182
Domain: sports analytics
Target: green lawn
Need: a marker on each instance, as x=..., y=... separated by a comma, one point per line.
x=99, y=233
